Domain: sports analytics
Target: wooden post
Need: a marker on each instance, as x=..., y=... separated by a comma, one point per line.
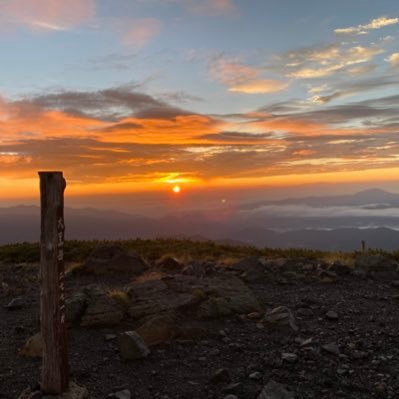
x=55, y=371
x=363, y=246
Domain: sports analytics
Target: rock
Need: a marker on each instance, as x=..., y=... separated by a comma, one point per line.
x=199, y=269
x=125, y=394
x=228, y=295
x=256, y=375
x=169, y=264
x=221, y=375
x=110, y=337
x=327, y=276
x=289, y=357
x=340, y=268
x=15, y=304
x=233, y=387
x=230, y=397
x=154, y=296
x=331, y=348
x=132, y=346
x=208, y=297
x=33, y=346
x=74, y=392
x=158, y=330
x=377, y=266
x=75, y=306
x=331, y=315
x=101, y=311
x=273, y=390
x=114, y=259
x=305, y=342
x=280, y=317
x=251, y=269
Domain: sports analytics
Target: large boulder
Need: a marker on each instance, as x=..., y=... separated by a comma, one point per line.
x=375, y=263
x=75, y=306
x=155, y=296
x=207, y=297
x=114, y=259
x=377, y=266
x=102, y=310
x=169, y=264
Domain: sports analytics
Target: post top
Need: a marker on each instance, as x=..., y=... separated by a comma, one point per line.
x=50, y=172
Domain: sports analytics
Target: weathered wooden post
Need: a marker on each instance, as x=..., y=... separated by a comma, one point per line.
x=363, y=246
x=55, y=370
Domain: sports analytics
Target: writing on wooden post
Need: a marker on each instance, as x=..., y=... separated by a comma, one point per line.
x=55, y=370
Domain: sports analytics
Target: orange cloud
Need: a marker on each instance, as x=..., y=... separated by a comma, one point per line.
x=242, y=78
x=151, y=143
x=259, y=86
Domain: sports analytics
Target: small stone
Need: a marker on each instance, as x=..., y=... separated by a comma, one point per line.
x=110, y=337
x=232, y=387
x=256, y=375
x=230, y=397
x=306, y=342
x=125, y=394
x=221, y=375
x=289, y=357
x=331, y=348
x=273, y=390
x=331, y=315
x=33, y=346
x=280, y=317
x=132, y=346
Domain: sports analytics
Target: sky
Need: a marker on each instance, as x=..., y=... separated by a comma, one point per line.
x=143, y=95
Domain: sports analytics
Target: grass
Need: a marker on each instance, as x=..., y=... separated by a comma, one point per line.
x=120, y=297
x=77, y=251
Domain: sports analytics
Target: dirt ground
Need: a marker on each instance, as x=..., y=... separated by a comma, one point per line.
x=361, y=359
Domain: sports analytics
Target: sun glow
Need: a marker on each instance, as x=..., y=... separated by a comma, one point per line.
x=176, y=189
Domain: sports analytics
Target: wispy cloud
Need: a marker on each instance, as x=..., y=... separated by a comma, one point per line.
x=376, y=23
x=46, y=15
x=393, y=59
x=241, y=78
x=323, y=61
x=139, y=32
x=209, y=7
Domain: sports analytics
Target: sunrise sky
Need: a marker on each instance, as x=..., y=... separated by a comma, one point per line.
x=144, y=95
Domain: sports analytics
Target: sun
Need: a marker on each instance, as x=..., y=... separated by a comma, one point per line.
x=176, y=189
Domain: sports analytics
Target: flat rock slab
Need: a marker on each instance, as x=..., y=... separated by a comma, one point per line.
x=210, y=296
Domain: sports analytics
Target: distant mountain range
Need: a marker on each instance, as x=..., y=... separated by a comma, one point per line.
x=330, y=223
